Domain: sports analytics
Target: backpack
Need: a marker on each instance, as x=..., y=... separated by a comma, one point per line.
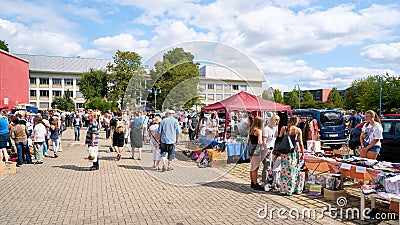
x=120, y=128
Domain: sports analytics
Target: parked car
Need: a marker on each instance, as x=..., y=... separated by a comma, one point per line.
x=392, y=116
x=355, y=133
x=390, y=150
x=330, y=122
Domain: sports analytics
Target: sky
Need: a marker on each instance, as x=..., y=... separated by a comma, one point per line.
x=315, y=44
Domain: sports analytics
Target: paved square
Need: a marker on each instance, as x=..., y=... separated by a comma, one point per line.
x=64, y=191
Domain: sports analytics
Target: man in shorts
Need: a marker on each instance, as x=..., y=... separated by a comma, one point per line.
x=168, y=132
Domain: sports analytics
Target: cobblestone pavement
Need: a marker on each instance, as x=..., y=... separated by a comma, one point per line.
x=64, y=191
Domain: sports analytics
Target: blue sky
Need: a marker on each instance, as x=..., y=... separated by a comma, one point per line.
x=320, y=44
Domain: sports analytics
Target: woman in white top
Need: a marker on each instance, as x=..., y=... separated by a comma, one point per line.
x=39, y=137
x=270, y=133
x=371, y=135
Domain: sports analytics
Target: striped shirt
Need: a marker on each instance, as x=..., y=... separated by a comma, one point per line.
x=93, y=128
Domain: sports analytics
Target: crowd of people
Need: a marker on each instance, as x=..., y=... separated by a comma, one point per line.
x=30, y=134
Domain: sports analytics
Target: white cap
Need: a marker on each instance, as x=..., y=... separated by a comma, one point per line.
x=171, y=111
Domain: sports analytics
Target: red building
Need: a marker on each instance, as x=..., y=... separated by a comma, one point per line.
x=14, y=80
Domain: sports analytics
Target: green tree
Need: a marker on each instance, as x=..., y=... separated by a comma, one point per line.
x=94, y=84
x=177, y=76
x=350, y=98
x=100, y=104
x=390, y=94
x=292, y=99
x=334, y=99
x=4, y=46
x=278, y=96
x=265, y=95
x=125, y=71
x=64, y=103
x=308, y=100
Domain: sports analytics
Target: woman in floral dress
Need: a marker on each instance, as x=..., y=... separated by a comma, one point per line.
x=292, y=181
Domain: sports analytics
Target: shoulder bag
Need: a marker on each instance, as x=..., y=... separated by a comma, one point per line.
x=285, y=146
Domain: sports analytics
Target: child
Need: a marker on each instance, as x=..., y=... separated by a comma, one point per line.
x=54, y=136
x=276, y=169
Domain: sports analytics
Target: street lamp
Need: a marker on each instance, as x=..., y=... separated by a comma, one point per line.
x=155, y=91
x=298, y=90
x=380, y=92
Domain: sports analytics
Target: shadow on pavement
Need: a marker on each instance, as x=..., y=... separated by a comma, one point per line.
x=241, y=188
x=131, y=167
x=73, y=167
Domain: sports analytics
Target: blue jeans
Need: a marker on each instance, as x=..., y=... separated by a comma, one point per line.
x=77, y=130
x=23, y=151
x=45, y=148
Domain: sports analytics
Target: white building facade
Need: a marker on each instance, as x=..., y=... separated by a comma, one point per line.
x=53, y=76
x=218, y=83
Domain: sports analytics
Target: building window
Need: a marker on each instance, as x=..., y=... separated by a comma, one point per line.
x=33, y=93
x=80, y=105
x=202, y=86
x=226, y=96
x=33, y=104
x=202, y=97
x=57, y=94
x=44, y=80
x=219, y=97
x=68, y=82
x=56, y=81
x=79, y=94
x=227, y=87
x=32, y=80
x=218, y=86
x=68, y=92
x=43, y=105
x=235, y=87
x=210, y=86
x=44, y=93
x=210, y=97
x=243, y=87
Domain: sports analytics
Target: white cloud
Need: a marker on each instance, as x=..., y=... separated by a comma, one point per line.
x=383, y=53
x=22, y=39
x=123, y=42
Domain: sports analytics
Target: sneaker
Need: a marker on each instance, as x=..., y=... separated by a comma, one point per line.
x=60, y=150
x=111, y=149
x=163, y=168
x=55, y=156
x=257, y=187
x=119, y=157
x=170, y=168
x=93, y=168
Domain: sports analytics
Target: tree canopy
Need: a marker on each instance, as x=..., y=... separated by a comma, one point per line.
x=4, y=46
x=94, y=84
x=334, y=99
x=126, y=70
x=64, y=103
x=177, y=77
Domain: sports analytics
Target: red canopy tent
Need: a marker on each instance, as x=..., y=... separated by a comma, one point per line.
x=243, y=101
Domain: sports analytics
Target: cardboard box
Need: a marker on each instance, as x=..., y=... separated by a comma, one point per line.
x=3, y=170
x=214, y=154
x=219, y=163
x=8, y=168
x=333, y=195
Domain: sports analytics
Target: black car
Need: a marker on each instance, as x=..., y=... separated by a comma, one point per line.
x=355, y=133
x=390, y=150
